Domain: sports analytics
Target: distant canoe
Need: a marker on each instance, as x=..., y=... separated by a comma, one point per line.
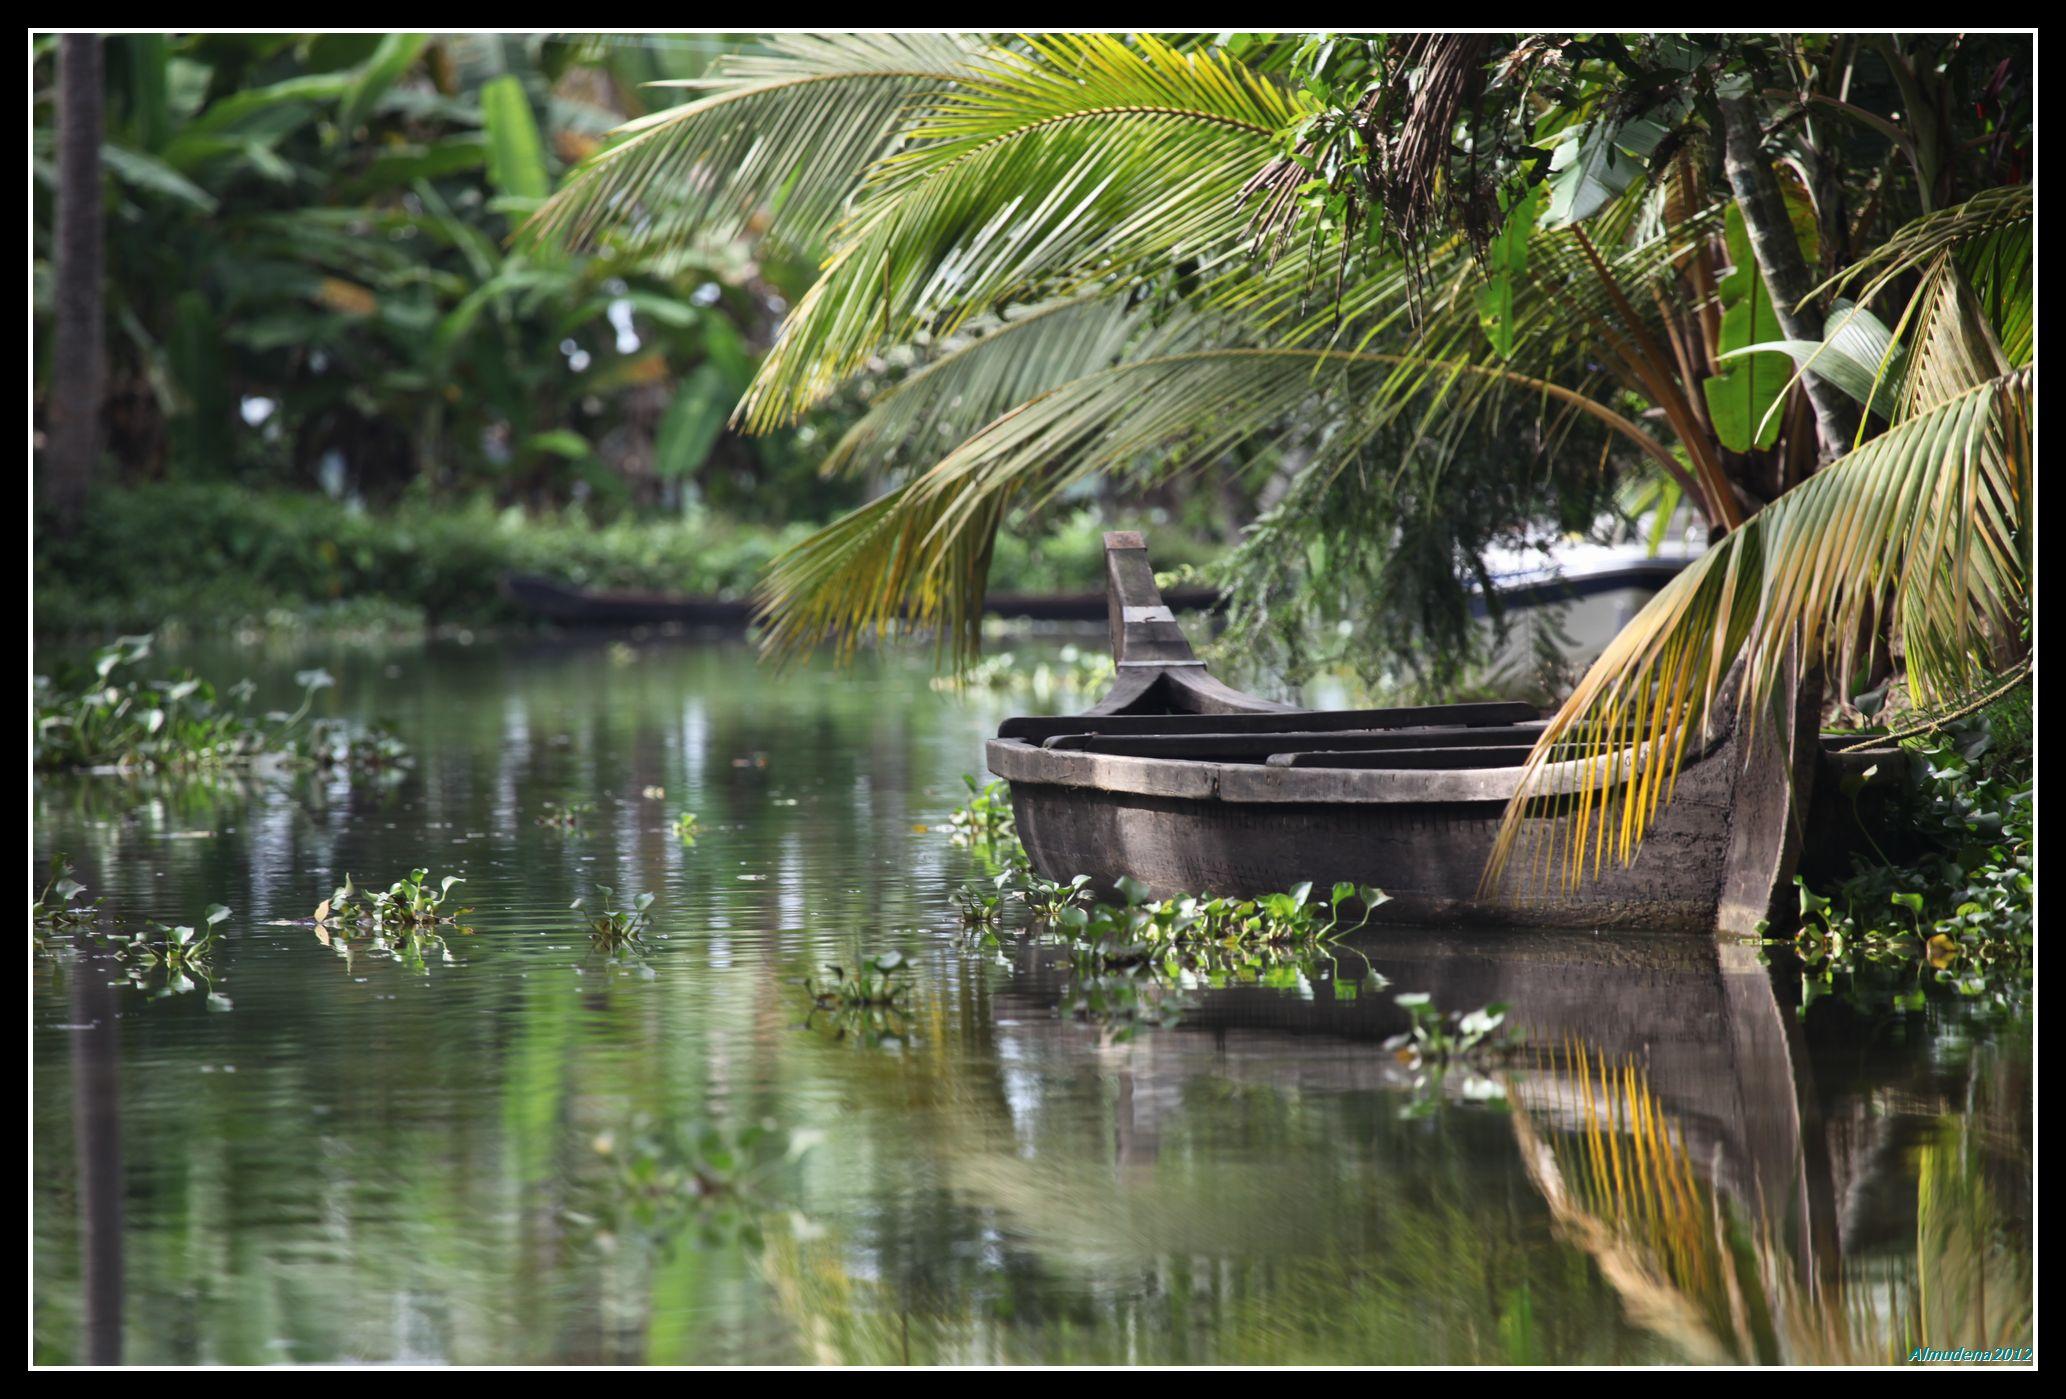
x=1186, y=785
x=580, y=607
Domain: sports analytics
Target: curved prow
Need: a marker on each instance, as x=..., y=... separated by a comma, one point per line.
x=1144, y=630
x=1157, y=670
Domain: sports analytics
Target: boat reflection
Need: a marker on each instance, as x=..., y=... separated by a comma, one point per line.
x=1749, y=1192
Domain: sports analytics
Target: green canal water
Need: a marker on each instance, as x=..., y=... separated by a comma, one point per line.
x=493, y=1154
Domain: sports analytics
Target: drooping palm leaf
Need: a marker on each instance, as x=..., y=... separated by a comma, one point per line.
x=1921, y=242
x=1929, y=519
x=915, y=557
x=986, y=375
x=783, y=137
x=908, y=561
x=1082, y=158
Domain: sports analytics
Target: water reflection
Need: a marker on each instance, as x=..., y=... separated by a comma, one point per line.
x=370, y=1159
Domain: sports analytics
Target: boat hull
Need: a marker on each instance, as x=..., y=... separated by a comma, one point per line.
x=1179, y=783
x=1427, y=856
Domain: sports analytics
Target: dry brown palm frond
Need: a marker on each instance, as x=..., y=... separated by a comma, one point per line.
x=1408, y=178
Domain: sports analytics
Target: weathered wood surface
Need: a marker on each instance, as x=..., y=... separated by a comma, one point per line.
x=1502, y=713
x=1428, y=855
x=1224, y=747
x=1260, y=799
x=1157, y=670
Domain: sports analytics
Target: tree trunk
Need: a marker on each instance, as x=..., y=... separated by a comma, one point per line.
x=1778, y=252
x=78, y=371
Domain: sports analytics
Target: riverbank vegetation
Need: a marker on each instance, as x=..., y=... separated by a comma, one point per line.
x=1944, y=891
x=338, y=394
x=209, y=559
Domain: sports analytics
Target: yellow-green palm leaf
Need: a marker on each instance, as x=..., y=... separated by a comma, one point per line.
x=1930, y=520
x=1041, y=174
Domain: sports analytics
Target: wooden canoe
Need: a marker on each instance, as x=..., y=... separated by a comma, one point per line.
x=1178, y=781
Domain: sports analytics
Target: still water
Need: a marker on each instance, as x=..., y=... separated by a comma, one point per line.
x=519, y=1149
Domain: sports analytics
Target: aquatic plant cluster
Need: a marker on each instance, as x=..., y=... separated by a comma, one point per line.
x=614, y=929
x=986, y=817
x=1135, y=963
x=405, y=921
x=869, y=1004
x=407, y=903
x=112, y=716
x=63, y=902
x=1952, y=905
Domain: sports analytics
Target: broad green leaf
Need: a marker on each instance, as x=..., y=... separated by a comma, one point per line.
x=1856, y=349
x=1738, y=397
x=694, y=420
x=1587, y=169
x=516, y=155
x=151, y=175
x=1506, y=261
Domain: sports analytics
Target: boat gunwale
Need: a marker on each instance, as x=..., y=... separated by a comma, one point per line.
x=1017, y=760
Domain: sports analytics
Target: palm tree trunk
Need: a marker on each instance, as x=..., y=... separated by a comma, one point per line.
x=1778, y=253
x=78, y=369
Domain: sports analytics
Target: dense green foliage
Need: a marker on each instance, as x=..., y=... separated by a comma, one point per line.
x=208, y=558
x=1947, y=886
x=311, y=281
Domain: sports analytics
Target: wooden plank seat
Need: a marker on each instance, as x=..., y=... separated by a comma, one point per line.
x=1232, y=747
x=1499, y=713
x=1405, y=759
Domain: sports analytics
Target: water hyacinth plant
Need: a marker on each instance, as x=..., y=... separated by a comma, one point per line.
x=982, y=904
x=986, y=818
x=566, y=816
x=63, y=902
x=115, y=718
x=118, y=719
x=869, y=1005
x=1286, y=917
x=611, y=928
x=1954, y=906
x=181, y=952
x=877, y=982
x=408, y=903
x=1438, y=1038
x=1050, y=899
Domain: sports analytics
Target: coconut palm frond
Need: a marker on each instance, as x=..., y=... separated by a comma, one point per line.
x=1921, y=242
x=1009, y=362
x=1955, y=349
x=1078, y=160
x=776, y=148
x=915, y=558
x=1929, y=519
